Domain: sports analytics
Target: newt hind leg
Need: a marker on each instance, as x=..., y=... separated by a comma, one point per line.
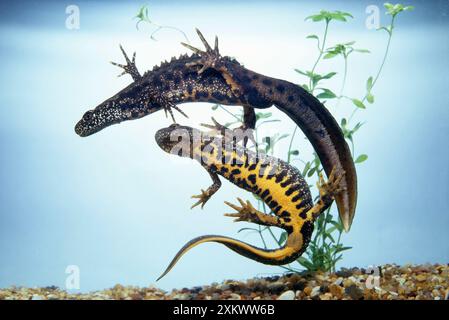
x=211, y=59
x=328, y=191
x=250, y=214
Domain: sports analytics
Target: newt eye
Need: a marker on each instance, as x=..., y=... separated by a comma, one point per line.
x=87, y=116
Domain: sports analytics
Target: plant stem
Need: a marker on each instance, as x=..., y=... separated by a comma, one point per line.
x=390, y=34
x=229, y=112
x=319, y=56
x=290, y=145
x=159, y=27
x=343, y=84
x=385, y=54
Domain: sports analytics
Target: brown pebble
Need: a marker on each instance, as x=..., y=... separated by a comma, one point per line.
x=354, y=292
x=336, y=291
x=307, y=291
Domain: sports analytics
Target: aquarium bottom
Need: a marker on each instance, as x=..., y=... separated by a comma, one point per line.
x=387, y=282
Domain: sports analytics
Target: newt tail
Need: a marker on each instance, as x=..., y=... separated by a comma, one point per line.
x=279, y=256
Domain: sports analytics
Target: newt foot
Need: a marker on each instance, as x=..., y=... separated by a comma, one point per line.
x=208, y=59
x=203, y=198
x=332, y=187
x=236, y=135
x=244, y=213
x=129, y=67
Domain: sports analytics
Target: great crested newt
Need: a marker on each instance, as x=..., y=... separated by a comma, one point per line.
x=206, y=76
x=277, y=183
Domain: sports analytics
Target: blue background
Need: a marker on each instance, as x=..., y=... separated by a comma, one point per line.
x=117, y=206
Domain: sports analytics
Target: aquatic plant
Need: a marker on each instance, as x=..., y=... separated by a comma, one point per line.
x=143, y=16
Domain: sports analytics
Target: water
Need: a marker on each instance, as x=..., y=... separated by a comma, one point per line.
x=117, y=206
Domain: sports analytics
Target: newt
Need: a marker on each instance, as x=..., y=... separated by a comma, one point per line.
x=277, y=183
x=207, y=76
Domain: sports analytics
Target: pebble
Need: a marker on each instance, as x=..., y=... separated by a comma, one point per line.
x=354, y=292
x=287, y=295
x=339, y=281
x=308, y=291
x=315, y=291
x=276, y=287
x=336, y=291
x=421, y=277
x=235, y=296
x=326, y=296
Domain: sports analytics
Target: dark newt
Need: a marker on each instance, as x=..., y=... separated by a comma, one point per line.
x=279, y=184
x=206, y=76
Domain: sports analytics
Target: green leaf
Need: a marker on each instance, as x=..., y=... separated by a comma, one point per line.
x=294, y=152
x=388, y=29
x=328, y=75
x=306, y=168
x=312, y=36
x=306, y=263
x=361, y=158
x=302, y=72
x=282, y=238
x=370, y=98
x=362, y=50
x=330, y=55
x=393, y=10
x=315, y=17
x=142, y=15
x=263, y=115
x=331, y=230
x=326, y=94
x=369, y=84
x=358, y=103
x=340, y=249
x=311, y=172
x=388, y=6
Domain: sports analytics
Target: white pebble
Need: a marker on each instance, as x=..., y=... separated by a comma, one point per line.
x=287, y=295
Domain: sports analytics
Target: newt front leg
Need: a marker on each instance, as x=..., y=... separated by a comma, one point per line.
x=209, y=192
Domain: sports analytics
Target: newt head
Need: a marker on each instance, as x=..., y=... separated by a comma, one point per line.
x=178, y=139
x=163, y=87
x=133, y=102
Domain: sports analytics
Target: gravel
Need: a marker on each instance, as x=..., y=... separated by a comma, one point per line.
x=408, y=282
